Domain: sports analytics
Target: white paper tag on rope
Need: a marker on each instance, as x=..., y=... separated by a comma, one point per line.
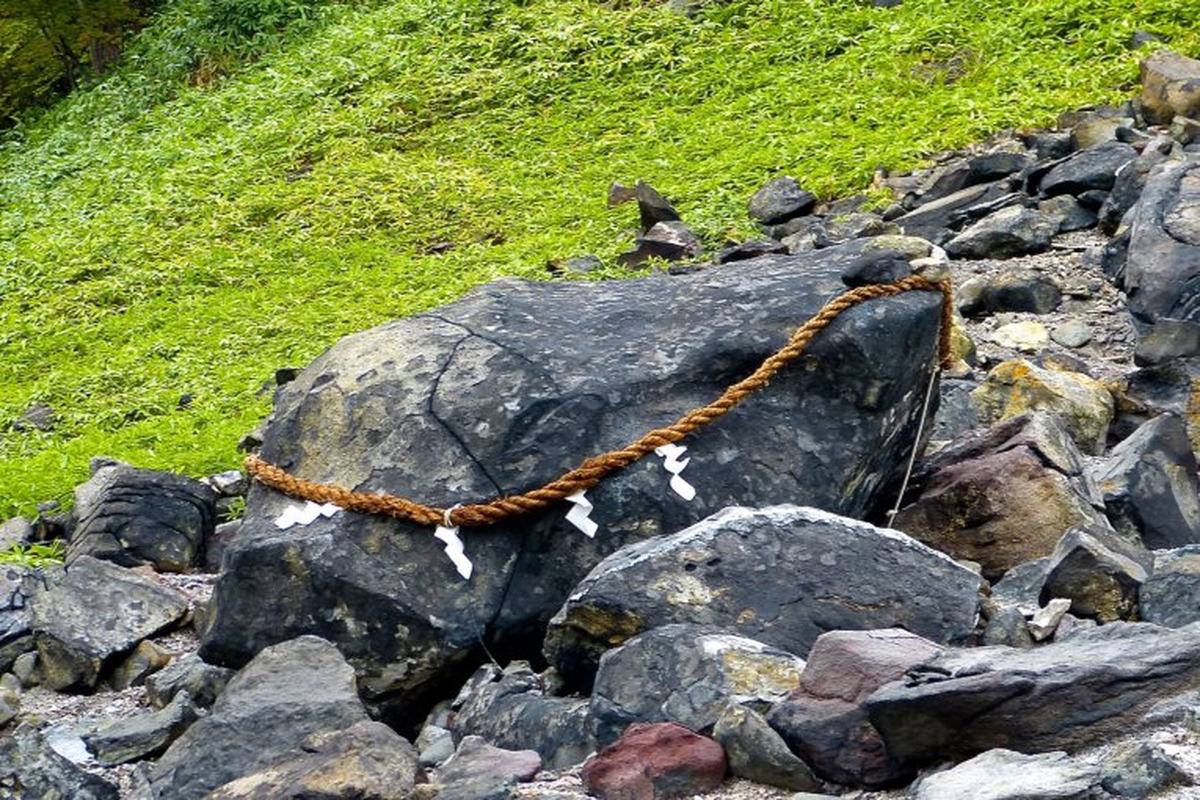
x=305, y=514
x=671, y=463
x=578, y=515
x=454, y=549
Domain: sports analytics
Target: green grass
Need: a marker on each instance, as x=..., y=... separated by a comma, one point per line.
x=159, y=239
x=34, y=556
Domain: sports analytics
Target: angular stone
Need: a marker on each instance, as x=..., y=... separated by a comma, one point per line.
x=136, y=516
x=825, y=720
x=1028, y=337
x=1022, y=290
x=1006, y=775
x=31, y=768
x=188, y=673
x=1167, y=339
x=1170, y=87
x=1171, y=595
x=655, y=762
x=1093, y=168
x=1131, y=181
x=1139, y=769
x=1006, y=625
x=15, y=531
x=435, y=744
x=10, y=701
x=18, y=586
x=973, y=170
x=877, y=266
x=653, y=208
x=479, y=771
x=146, y=659
x=781, y=575
x=1071, y=214
x=513, y=385
x=973, y=500
x=1063, y=696
x=98, y=612
x=1007, y=233
x=936, y=220
x=751, y=249
x=672, y=241
x=289, y=691
x=367, y=761
x=1045, y=622
x=512, y=709
x=858, y=225
x=1099, y=572
x=1017, y=386
x=1151, y=492
x=757, y=753
x=781, y=200
x=686, y=674
x=141, y=736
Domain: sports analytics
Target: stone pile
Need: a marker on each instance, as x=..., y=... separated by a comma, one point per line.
x=1023, y=622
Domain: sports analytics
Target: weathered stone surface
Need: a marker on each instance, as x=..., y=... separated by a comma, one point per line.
x=747, y=250
x=655, y=762
x=1062, y=696
x=18, y=586
x=781, y=575
x=653, y=208
x=1046, y=619
x=99, y=611
x=29, y=768
x=146, y=659
x=825, y=721
x=973, y=498
x=136, y=516
x=1006, y=775
x=672, y=241
x=1099, y=572
x=1019, y=290
x=1150, y=487
x=511, y=386
x=188, y=673
x=10, y=698
x=1139, y=769
x=973, y=170
x=1130, y=181
x=1166, y=340
x=479, y=771
x=1093, y=168
x=877, y=267
x=1009, y=232
x=686, y=674
x=1072, y=333
x=1171, y=595
x=367, y=761
x=1162, y=266
x=1027, y=337
x=141, y=736
x=937, y=220
x=1170, y=87
x=1018, y=386
x=512, y=709
x=857, y=225
x=756, y=752
x=15, y=531
x=1007, y=625
x=781, y=200
x=289, y=691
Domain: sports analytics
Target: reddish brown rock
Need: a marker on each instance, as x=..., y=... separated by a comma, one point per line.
x=825, y=721
x=656, y=760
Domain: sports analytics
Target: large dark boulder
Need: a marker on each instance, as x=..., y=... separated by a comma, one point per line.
x=515, y=384
x=1063, y=696
x=781, y=575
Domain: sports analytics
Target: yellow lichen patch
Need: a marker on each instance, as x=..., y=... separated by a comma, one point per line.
x=685, y=590
x=612, y=626
x=760, y=675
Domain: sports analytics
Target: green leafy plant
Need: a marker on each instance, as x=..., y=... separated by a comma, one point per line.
x=35, y=556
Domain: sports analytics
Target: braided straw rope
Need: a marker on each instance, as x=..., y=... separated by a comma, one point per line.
x=594, y=469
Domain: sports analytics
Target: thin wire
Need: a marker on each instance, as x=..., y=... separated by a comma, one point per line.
x=912, y=457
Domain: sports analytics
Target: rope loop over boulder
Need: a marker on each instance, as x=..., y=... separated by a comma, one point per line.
x=596, y=468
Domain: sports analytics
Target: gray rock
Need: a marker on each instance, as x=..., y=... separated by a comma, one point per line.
x=1167, y=339
x=781, y=200
x=757, y=753
x=435, y=744
x=1046, y=620
x=29, y=768
x=686, y=674
x=781, y=575
x=289, y=691
x=478, y=771
x=825, y=721
x=231, y=483
x=1099, y=572
x=1072, y=333
x=15, y=531
x=188, y=673
x=25, y=667
x=653, y=208
x=1130, y=181
x=937, y=220
x=142, y=736
x=751, y=249
x=955, y=415
x=858, y=225
x=1065, y=695
x=1021, y=585
x=1151, y=492
x=1006, y=775
x=88, y=621
x=1170, y=87
x=1171, y=595
x=512, y=709
x=367, y=761
x=146, y=659
x=1009, y=232
x=1071, y=214
x=511, y=386
x=1093, y=168
x=18, y=585
x=10, y=698
x=1139, y=769
x=138, y=516
x=1162, y=268
x=1006, y=625
x=672, y=241
x=877, y=266
x=974, y=170
x=216, y=544
x=1185, y=130
x=38, y=417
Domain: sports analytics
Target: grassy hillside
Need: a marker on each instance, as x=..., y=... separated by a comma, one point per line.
x=178, y=231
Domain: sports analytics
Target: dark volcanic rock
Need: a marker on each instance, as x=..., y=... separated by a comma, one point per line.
x=747, y=250
x=29, y=768
x=203, y=682
x=937, y=220
x=144, y=735
x=1099, y=572
x=513, y=385
x=686, y=674
x=781, y=575
x=1009, y=232
x=1093, y=168
x=1020, y=290
x=138, y=516
x=781, y=200
x=1171, y=595
x=1063, y=696
x=479, y=771
x=655, y=762
x=672, y=241
x=653, y=208
x=289, y=691
x=1139, y=769
x=96, y=613
x=1130, y=180
x=756, y=752
x=1168, y=339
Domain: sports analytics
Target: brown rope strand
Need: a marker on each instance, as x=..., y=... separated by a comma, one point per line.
x=596, y=468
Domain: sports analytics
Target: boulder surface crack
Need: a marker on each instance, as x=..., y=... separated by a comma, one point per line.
x=446, y=426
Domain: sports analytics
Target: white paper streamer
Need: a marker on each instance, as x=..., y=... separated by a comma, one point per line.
x=578, y=515
x=305, y=514
x=672, y=464
x=454, y=549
